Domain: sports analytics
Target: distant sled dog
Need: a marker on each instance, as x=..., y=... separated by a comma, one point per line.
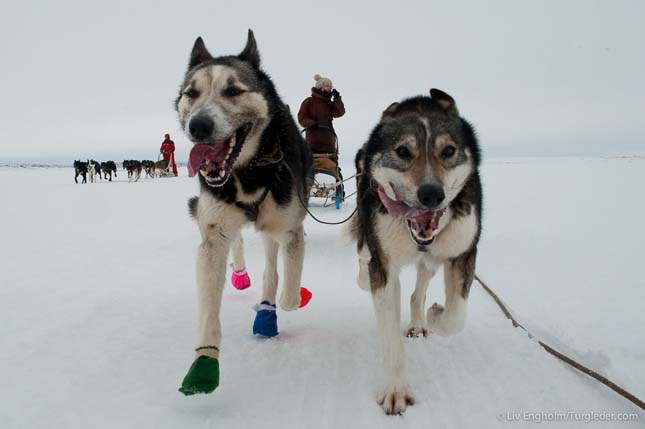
x=419, y=202
x=108, y=168
x=251, y=163
x=80, y=169
x=148, y=167
x=94, y=169
x=161, y=168
x=134, y=168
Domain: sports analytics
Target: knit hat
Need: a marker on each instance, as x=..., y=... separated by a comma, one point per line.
x=321, y=81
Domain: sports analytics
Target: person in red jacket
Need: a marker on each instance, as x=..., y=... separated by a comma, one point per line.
x=316, y=114
x=168, y=152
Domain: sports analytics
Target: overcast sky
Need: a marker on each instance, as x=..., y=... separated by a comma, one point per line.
x=97, y=79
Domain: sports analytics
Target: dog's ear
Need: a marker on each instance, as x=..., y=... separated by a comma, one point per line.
x=389, y=112
x=446, y=102
x=250, y=53
x=199, y=54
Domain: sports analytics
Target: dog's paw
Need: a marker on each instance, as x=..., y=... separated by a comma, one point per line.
x=266, y=320
x=240, y=279
x=416, y=331
x=436, y=310
x=444, y=323
x=202, y=377
x=395, y=400
x=289, y=302
x=434, y=318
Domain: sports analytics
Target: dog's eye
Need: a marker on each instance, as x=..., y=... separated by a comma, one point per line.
x=191, y=93
x=448, y=151
x=233, y=91
x=404, y=153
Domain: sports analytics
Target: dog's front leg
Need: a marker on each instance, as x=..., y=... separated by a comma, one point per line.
x=266, y=319
x=270, y=278
x=387, y=305
x=417, y=325
x=203, y=375
x=240, y=278
x=293, y=245
x=450, y=318
x=211, y=276
x=364, y=257
x=238, y=254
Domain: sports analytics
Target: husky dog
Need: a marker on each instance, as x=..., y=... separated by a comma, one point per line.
x=134, y=169
x=94, y=169
x=148, y=167
x=91, y=171
x=160, y=168
x=129, y=165
x=80, y=169
x=126, y=163
x=254, y=168
x=109, y=167
x=419, y=202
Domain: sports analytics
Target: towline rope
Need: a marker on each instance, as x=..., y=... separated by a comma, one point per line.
x=566, y=359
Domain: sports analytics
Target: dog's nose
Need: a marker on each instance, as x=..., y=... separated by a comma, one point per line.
x=201, y=127
x=431, y=196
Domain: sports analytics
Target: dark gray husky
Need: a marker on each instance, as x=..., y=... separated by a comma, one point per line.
x=419, y=202
x=251, y=163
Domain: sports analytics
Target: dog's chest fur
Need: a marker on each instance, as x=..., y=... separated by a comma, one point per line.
x=456, y=234
x=246, y=185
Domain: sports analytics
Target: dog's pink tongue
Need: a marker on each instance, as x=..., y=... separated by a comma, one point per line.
x=197, y=156
x=398, y=209
x=394, y=208
x=213, y=153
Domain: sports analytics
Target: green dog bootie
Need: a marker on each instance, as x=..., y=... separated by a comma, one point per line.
x=202, y=377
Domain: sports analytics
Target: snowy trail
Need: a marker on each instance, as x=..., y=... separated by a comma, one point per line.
x=97, y=311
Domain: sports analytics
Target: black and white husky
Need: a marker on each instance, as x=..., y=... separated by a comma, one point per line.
x=94, y=169
x=251, y=163
x=419, y=202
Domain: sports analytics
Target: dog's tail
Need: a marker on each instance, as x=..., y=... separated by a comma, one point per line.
x=192, y=207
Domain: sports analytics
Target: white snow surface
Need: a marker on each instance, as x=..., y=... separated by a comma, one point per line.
x=98, y=310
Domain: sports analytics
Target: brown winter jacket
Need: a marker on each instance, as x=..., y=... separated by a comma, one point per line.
x=316, y=114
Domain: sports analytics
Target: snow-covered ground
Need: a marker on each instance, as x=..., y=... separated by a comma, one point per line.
x=98, y=310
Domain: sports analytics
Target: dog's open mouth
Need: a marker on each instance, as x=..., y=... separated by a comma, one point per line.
x=215, y=160
x=422, y=224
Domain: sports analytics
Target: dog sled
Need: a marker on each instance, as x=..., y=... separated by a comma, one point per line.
x=328, y=179
x=326, y=169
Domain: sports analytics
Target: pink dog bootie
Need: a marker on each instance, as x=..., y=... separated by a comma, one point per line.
x=240, y=279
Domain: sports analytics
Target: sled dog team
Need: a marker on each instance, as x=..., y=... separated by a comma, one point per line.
x=419, y=202
x=134, y=168
x=94, y=169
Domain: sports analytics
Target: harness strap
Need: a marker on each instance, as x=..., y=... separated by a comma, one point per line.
x=251, y=210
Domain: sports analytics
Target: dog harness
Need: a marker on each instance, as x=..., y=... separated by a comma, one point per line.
x=251, y=210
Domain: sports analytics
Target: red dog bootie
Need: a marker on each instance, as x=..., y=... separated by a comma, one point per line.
x=240, y=279
x=305, y=297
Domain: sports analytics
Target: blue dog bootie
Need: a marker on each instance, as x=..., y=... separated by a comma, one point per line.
x=266, y=320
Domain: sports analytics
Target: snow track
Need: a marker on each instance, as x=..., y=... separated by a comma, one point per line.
x=97, y=310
